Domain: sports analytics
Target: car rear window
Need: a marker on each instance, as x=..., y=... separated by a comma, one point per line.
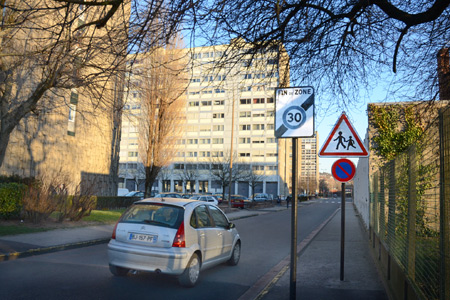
x=155, y=214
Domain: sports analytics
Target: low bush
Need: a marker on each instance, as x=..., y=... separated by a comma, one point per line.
x=115, y=202
x=39, y=202
x=11, y=199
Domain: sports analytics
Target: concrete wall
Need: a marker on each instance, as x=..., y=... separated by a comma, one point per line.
x=361, y=187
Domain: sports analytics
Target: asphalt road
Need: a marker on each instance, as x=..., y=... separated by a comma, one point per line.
x=83, y=273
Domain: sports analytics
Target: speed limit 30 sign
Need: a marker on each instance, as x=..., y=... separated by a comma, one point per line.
x=294, y=112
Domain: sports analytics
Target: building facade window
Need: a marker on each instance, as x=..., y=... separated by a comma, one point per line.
x=258, y=126
x=244, y=140
x=245, y=114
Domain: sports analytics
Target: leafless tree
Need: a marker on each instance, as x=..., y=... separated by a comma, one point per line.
x=45, y=53
x=341, y=47
x=221, y=171
x=190, y=174
x=162, y=84
x=338, y=47
x=254, y=179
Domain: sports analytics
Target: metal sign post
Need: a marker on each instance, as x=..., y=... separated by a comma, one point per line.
x=343, y=170
x=342, y=230
x=343, y=140
x=294, y=117
x=293, y=275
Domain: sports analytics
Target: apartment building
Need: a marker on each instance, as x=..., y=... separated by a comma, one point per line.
x=71, y=134
x=230, y=109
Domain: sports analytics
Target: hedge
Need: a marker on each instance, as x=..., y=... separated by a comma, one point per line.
x=11, y=199
x=115, y=202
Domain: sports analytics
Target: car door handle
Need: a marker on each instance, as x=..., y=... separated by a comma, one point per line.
x=202, y=235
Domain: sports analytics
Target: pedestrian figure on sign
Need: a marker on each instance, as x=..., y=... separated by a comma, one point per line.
x=340, y=140
x=351, y=143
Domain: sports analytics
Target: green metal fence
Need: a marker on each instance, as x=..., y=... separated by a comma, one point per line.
x=409, y=210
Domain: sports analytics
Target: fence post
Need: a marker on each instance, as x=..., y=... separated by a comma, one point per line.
x=391, y=205
x=382, y=216
x=412, y=206
x=375, y=203
x=444, y=133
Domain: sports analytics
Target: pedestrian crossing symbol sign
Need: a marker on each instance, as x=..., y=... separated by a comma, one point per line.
x=343, y=141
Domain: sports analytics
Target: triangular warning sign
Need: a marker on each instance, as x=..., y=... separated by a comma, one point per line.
x=343, y=141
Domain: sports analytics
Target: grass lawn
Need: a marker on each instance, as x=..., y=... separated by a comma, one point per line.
x=104, y=216
x=96, y=217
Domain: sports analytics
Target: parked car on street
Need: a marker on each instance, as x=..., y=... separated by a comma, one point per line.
x=261, y=197
x=122, y=191
x=139, y=194
x=168, y=195
x=172, y=236
x=206, y=198
x=220, y=198
x=239, y=201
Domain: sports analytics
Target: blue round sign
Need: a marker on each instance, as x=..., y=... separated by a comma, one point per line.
x=343, y=170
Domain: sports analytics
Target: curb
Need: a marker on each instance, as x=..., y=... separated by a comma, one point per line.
x=267, y=281
x=38, y=251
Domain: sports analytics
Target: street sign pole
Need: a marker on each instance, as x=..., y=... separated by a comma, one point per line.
x=294, y=118
x=293, y=275
x=343, y=170
x=342, y=229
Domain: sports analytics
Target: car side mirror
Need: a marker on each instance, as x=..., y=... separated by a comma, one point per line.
x=231, y=226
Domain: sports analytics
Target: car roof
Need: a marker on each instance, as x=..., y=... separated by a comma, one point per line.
x=167, y=200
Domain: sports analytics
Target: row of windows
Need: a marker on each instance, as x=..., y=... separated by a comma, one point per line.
x=209, y=78
x=209, y=54
x=200, y=141
x=246, y=127
x=206, y=103
x=205, y=92
x=259, y=75
x=256, y=101
x=221, y=115
x=248, y=114
x=206, y=141
x=256, y=88
x=220, y=154
x=218, y=167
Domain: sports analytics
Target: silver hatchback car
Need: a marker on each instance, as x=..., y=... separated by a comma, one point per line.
x=173, y=236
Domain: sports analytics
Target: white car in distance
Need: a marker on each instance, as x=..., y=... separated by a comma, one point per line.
x=173, y=236
x=206, y=198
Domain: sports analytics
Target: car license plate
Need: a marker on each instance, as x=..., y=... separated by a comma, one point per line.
x=148, y=238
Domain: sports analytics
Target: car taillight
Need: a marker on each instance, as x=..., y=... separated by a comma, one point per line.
x=179, y=240
x=114, y=231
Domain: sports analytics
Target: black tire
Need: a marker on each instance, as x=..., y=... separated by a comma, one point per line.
x=118, y=271
x=235, y=255
x=191, y=274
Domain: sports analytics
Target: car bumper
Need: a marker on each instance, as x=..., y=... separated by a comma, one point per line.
x=171, y=261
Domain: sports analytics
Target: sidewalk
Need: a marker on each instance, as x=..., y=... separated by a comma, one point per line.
x=318, y=266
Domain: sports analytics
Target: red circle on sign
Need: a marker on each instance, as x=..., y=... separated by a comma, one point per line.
x=343, y=170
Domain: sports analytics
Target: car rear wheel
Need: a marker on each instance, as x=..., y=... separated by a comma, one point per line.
x=118, y=271
x=236, y=255
x=190, y=276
